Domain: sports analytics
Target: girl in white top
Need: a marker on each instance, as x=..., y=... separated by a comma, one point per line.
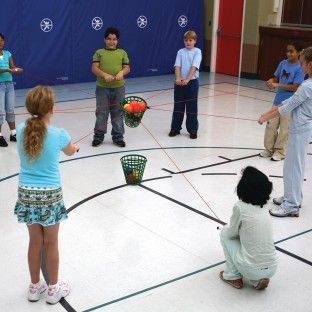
x=248, y=240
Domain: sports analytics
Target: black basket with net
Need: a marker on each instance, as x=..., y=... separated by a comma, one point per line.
x=133, y=167
x=133, y=118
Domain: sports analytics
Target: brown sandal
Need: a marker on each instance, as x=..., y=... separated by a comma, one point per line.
x=238, y=283
x=262, y=284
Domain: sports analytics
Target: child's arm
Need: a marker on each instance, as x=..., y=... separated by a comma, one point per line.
x=270, y=81
x=231, y=230
x=70, y=149
x=125, y=70
x=177, y=72
x=189, y=76
x=14, y=69
x=272, y=113
x=289, y=87
x=99, y=73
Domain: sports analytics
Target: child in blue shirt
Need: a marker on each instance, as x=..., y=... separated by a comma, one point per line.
x=300, y=130
x=287, y=78
x=7, y=96
x=186, y=86
x=40, y=201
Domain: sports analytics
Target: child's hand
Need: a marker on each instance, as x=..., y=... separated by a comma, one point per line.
x=119, y=76
x=185, y=82
x=77, y=148
x=108, y=77
x=16, y=70
x=178, y=82
x=261, y=120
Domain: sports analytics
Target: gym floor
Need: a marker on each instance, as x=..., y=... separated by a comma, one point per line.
x=155, y=247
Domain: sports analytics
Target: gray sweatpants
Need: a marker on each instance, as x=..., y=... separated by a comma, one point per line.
x=294, y=166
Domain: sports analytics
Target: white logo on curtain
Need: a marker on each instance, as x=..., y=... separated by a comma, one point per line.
x=46, y=25
x=182, y=20
x=142, y=21
x=97, y=23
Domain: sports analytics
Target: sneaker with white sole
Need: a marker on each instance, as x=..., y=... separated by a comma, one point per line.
x=277, y=157
x=265, y=153
x=281, y=212
x=36, y=291
x=278, y=200
x=55, y=293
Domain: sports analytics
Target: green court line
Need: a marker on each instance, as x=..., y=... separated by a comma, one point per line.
x=153, y=287
x=178, y=278
x=287, y=238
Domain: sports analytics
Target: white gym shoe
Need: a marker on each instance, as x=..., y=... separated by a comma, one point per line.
x=35, y=291
x=278, y=200
x=279, y=211
x=265, y=153
x=55, y=293
x=277, y=157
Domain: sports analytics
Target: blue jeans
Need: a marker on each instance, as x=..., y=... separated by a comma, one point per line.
x=7, y=99
x=108, y=103
x=185, y=99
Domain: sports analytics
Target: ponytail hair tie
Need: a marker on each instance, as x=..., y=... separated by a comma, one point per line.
x=36, y=116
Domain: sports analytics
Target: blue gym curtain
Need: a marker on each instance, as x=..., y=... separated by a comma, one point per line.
x=54, y=40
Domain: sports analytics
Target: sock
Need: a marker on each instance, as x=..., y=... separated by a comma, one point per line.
x=13, y=132
x=54, y=287
x=36, y=284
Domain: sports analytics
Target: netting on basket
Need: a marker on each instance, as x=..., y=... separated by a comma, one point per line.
x=133, y=115
x=133, y=167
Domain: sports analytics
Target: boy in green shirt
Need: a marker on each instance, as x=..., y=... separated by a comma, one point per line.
x=110, y=65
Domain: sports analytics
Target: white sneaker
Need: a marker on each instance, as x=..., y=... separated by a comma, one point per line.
x=279, y=211
x=35, y=291
x=278, y=200
x=57, y=292
x=277, y=157
x=265, y=153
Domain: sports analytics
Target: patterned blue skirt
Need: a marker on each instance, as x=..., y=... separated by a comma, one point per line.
x=40, y=205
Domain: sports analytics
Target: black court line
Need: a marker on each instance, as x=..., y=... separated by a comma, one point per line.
x=44, y=271
x=293, y=255
x=275, y=176
x=216, y=164
x=183, y=205
x=108, y=190
x=219, y=173
x=63, y=301
x=164, y=169
x=219, y=221
x=224, y=158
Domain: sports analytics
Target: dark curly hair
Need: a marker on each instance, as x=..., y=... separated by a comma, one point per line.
x=254, y=187
x=111, y=31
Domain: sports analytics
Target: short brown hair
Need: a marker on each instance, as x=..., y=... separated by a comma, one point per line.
x=190, y=35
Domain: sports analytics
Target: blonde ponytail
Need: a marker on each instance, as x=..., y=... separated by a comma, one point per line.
x=39, y=102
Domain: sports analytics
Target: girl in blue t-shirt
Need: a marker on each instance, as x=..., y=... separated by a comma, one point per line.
x=287, y=78
x=7, y=97
x=40, y=201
